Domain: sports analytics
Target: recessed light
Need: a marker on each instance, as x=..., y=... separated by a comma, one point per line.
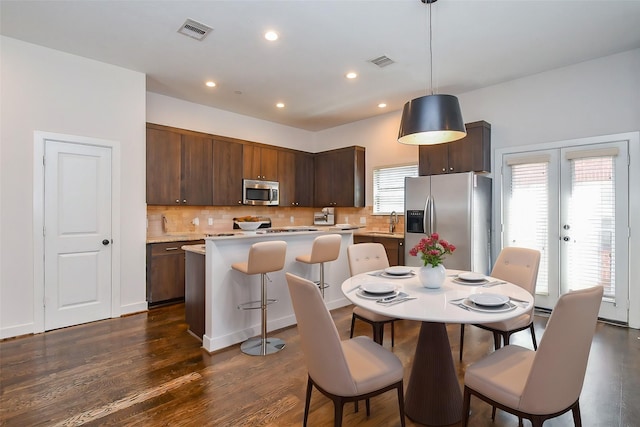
x=211, y=84
x=280, y=105
x=271, y=36
x=351, y=75
x=382, y=105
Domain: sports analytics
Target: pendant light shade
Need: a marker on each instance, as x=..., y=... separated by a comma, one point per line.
x=431, y=119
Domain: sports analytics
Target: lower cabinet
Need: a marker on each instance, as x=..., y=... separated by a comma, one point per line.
x=194, y=299
x=393, y=246
x=165, y=271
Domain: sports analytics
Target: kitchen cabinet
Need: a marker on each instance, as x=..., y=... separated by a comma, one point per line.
x=339, y=177
x=295, y=174
x=179, y=168
x=227, y=172
x=194, y=299
x=469, y=154
x=260, y=162
x=392, y=245
x=166, y=271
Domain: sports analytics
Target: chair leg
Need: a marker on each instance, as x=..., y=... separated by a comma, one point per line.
x=496, y=340
x=466, y=403
x=378, y=332
x=461, y=339
x=577, y=419
x=322, y=279
x=533, y=336
x=307, y=402
x=393, y=334
x=493, y=413
x=401, y=402
x=367, y=404
x=353, y=323
x=338, y=403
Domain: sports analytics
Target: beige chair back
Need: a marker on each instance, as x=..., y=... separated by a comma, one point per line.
x=518, y=266
x=365, y=257
x=325, y=248
x=319, y=338
x=557, y=374
x=265, y=257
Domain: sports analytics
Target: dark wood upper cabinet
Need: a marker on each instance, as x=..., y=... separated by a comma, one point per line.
x=295, y=174
x=179, y=168
x=260, y=163
x=339, y=177
x=469, y=154
x=227, y=173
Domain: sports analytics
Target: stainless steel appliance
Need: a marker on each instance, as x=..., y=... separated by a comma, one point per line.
x=457, y=207
x=326, y=217
x=264, y=193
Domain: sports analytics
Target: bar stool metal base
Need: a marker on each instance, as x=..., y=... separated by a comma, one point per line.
x=262, y=346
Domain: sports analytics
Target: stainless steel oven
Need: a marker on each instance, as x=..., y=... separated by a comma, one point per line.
x=264, y=193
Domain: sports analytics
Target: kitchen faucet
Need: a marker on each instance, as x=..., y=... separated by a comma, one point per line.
x=393, y=220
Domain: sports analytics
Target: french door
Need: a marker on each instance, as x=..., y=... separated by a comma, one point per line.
x=571, y=204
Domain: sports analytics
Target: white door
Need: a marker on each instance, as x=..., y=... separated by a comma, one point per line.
x=571, y=203
x=77, y=233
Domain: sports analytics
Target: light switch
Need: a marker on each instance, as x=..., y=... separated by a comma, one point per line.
x=210, y=221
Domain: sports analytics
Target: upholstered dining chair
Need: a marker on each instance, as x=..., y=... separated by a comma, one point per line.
x=542, y=384
x=365, y=257
x=344, y=371
x=520, y=267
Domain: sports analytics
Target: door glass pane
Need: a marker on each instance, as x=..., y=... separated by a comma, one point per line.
x=528, y=214
x=591, y=215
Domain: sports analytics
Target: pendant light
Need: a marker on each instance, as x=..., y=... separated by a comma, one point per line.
x=434, y=118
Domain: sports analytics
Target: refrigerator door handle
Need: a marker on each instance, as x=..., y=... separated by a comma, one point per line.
x=427, y=215
x=432, y=215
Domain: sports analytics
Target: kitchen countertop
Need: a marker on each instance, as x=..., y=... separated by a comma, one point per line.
x=373, y=233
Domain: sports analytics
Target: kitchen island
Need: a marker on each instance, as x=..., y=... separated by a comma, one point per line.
x=225, y=289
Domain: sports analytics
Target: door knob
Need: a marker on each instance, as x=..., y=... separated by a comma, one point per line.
x=105, y=242
x=566, y=238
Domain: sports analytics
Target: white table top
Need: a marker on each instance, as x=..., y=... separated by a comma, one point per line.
x=434, y=305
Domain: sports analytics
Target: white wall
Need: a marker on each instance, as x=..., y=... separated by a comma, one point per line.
x=51, y=91
x=174, y=112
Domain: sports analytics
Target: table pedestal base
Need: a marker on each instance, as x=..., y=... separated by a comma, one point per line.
x=433, y=396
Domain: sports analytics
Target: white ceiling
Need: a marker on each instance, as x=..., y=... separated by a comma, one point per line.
x=476, y=43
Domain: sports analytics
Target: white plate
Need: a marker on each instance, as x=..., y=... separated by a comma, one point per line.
x=398, y=270
x=466, y=282
x=471, y=277
x=366, y=295
x=396, y=276
x=378, y=287
x=487, y=309
x=489, y=300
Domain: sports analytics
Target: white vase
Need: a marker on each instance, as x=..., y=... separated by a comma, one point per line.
x=432, y=277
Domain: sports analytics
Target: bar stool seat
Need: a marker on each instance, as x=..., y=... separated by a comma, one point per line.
x=324, y=249
x=264, y=257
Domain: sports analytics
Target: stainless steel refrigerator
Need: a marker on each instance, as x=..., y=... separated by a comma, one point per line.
x=457, y=207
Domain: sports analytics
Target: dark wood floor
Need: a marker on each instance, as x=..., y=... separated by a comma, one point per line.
x=146, y=370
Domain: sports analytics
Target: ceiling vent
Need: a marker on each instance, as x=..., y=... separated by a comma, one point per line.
x=382, y=61
x=195, y=29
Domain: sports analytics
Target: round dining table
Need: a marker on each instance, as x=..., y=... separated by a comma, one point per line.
x=433, y=396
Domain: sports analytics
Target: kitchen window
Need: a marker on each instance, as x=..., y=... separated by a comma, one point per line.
x=388, y=188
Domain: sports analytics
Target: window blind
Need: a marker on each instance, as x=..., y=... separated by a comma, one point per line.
x=592, y=219
x=388, y=188
x=528, y=213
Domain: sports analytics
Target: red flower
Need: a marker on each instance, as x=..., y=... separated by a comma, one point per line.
x=432, y=249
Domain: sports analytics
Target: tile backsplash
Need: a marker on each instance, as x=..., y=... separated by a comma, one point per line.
x=162, y=220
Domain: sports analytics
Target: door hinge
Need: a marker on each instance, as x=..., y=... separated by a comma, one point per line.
x=44, y=232
x=44, y=161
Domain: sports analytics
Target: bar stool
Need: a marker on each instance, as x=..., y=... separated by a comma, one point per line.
x=264, y=257
x=324, y=249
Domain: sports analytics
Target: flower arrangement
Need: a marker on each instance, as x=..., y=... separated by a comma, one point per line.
x=432, y=249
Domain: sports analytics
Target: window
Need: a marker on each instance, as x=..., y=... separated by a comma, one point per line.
x=388, y=188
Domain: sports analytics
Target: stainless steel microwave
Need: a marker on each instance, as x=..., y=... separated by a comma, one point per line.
x=264, y=193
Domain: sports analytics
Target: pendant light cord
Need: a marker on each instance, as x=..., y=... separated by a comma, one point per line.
x=430, y=52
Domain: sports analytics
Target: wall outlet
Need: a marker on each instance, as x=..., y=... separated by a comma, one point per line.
x=346, y=219
x=210, y=221
x=363, y=220
x=292, y=219
x=196, y=221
